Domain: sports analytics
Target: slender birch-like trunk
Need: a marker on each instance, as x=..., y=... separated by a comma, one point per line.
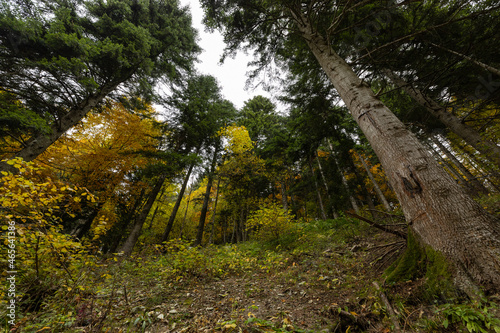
x=438, y=210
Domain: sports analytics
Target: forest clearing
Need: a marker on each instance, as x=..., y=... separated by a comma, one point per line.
x=136, y=197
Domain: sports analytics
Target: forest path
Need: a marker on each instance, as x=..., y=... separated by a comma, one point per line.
x=302, y=296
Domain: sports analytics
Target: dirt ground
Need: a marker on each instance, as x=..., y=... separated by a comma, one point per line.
x=305, y=296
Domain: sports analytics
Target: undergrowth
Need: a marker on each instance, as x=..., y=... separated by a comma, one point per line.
x=120, y=294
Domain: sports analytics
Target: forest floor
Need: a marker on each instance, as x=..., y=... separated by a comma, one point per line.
x=321, y=281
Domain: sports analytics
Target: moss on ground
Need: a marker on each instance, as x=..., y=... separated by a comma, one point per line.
x=421, y=261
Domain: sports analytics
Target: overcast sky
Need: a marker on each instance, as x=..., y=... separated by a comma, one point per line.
x=232, y=74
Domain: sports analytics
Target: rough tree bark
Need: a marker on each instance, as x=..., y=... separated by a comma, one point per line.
x=438, y=210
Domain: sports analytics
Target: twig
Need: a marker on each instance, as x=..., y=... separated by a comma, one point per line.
x=376, y=225
x=384, y=245
x=361, y=321
x=388, y=214
x=125, y=293
x=390, y=310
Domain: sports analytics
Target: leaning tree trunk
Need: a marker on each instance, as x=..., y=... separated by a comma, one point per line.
x=445, y=164
x=204, y=209
x=325, y=183
x=129, y=244
x=437, y=209
x=379, y=192
x=364, y=190
x=348, y=189
x=486, y=147
x=37, y=145
x=476, y=184
x=316, y=187
x=215, y=212
x=177, y=205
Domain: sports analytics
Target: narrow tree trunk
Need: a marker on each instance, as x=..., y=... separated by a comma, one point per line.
x=476, y=185
x=118, y=230
x=489, y=68
x=284, y=200
x=215, y=212
x=320, y=200
x=129, y=244
x=84, y=223
x=458, y=177
x=354, y=204
x=153, y=217
x=492, y=185
x=344, y=181
x=486, y=147
x=185, y=212
x=177, y=204
x=325, y=183
x=437, y=209
x=204, y=209
x=381, y=195
x=156, y=209
x=364, y=190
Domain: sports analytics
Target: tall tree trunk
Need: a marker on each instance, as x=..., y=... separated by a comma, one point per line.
x=458, y=177
x=364, y=190
x=486, y=147
x=316, y=187
x=489, y=68
x=325, y=183
x=177, y=204
x=284, y=200
x=118, y=230
x=153, y=217
x=438, y=210
x=129, y=244
x=185, y=212
x=156, y=210
x=476, y=185
x=492, y=185
x=83, y=223
x=379, y=192
x=344, y=180
x=206, y=199
x=215, y=212
x=354, y=204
